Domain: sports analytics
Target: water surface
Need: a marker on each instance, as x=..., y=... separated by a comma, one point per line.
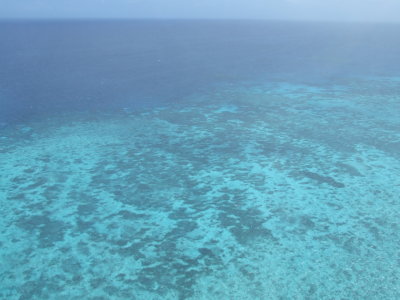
x=199, y=160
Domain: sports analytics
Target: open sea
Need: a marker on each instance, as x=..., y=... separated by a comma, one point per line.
x=199, y=160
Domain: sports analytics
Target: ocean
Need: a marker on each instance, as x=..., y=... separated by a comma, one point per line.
x=199, y=159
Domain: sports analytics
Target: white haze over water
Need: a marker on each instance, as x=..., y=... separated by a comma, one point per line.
x=311, y=10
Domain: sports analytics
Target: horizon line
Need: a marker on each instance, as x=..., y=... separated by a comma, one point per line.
x=72, y=19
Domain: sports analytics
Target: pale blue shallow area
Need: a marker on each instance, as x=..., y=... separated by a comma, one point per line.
x=258, y=190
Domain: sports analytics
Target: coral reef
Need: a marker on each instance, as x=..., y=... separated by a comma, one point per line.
x=273, y=191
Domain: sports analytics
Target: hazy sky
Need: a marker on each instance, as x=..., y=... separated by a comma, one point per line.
x=347, y=10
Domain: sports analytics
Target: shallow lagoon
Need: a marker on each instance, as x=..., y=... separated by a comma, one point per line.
x=269, y=190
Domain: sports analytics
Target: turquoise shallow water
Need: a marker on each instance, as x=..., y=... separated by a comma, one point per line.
x=259, y=191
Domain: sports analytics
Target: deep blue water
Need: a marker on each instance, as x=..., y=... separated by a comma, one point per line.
x=50, y=66
x=170, y=160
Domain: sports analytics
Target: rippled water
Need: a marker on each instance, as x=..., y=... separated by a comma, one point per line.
x=247, y=189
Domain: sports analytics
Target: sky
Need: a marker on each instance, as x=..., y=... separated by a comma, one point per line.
x=314, y=10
